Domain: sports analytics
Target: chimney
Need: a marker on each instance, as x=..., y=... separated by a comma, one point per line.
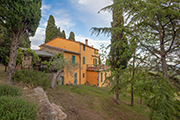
x=91, y=45
x=86, y=41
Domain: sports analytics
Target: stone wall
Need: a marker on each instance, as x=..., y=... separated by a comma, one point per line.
x=27, y=62
x=52, y=50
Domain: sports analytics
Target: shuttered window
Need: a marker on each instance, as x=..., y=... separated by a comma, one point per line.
x=83, y=60
x=83, y=47
x=73, y=59
x=101, y=77
x=94, y=61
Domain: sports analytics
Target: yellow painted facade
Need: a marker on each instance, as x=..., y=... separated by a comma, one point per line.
x=84, y=56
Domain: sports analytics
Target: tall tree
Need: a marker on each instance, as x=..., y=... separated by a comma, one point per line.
x=63, y=34
x=72, y=36
x=51, y=29
x=25, y=42
x=19, y=17
x=118, y=45
x=59, y=32
x=156, y=27
x=119, y=54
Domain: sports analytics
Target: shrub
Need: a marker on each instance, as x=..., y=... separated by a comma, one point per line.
x=9, y=90
x=14, y=108
x=33, y=78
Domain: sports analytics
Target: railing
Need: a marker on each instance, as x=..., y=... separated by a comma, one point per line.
x=92, y=67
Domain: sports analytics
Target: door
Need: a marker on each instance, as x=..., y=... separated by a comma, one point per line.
x=62, y=80
x=75, y=78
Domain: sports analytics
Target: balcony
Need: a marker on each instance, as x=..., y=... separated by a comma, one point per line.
x=91, y=67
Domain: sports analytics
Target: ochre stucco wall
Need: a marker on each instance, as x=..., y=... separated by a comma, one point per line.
x=69, y=76
x=64, y=44
x=77, y=47
x=92, y=77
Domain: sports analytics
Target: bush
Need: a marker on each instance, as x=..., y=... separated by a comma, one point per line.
x=9, y=90
x=14, y=108
x=33, y=78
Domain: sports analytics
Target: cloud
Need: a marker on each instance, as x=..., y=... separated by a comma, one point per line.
x=46, y=7
x=64, y=23
x=96, y=43
x=90, y=8
x=38, y=39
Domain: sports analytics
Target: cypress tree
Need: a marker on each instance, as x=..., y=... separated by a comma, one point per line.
x=118, y=60
x=59, y=32
x=72, y=36
x=51, y=29
x=63, y=34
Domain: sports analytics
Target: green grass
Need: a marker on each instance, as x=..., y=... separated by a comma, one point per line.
x=16, y=108
x=7, y=90
x=91, y=103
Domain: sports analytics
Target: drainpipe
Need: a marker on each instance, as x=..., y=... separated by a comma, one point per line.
x=80, y=63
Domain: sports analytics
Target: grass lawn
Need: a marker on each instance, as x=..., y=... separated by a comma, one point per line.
x=83, y=102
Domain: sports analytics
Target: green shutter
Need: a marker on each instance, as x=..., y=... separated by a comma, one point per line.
x=73, y=59
x=101, y=77
x=94, y=61
x=83, y=60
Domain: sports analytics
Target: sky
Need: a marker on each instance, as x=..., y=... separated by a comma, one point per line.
x=78, y=16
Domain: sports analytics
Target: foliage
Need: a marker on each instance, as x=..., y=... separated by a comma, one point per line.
x=51, y=29
x=12, y=108
x=19, y=17
x=72, y=36
x=163, y=104
x=63, y=34
x=25, y=42
x=59, y=32
x=32, y=78
x=27, y=52
x=5, y=46
x=7, y=90
x=57, y=62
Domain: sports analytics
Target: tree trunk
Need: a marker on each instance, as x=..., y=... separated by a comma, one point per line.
x=163, y=56
x=164, y=67
x=115, y=96
x=12, y=59
x=132, y=96
x=53, y=81
x=5, y=68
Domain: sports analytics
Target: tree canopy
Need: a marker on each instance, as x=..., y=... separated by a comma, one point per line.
x=51, y=29
x=63, y=34
x=72, y=36
x=153, y=31
x=19, y=17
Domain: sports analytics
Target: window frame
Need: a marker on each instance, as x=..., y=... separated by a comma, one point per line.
x=73, y=58
x=84, y=61
x=84, y=47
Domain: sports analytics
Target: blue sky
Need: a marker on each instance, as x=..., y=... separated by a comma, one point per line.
x=77, y=16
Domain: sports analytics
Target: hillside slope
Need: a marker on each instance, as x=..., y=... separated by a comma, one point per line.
x=83, y=102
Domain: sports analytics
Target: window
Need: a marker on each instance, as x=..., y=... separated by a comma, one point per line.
x=83, y=47
x=73, y=59
x=101, y=77
x=94, y=61
x=83, y=60
x=83, y=75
